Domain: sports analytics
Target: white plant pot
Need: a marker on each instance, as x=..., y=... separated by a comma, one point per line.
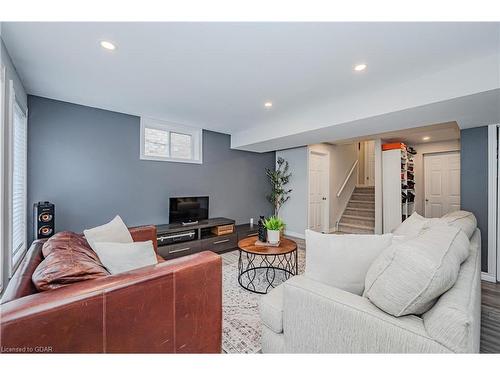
x=273, y=236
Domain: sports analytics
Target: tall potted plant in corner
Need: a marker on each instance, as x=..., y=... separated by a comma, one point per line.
x=279, y=178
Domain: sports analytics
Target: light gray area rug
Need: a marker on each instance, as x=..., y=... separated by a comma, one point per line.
x=241, y=325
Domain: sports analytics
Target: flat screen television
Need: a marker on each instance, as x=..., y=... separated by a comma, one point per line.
x=188, y=210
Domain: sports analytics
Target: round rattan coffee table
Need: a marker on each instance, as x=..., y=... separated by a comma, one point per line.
x=272, y=260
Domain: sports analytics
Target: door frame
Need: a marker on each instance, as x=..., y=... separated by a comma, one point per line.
x=424, y=171
x=366, y=163
x=3, y=108
x=326, y=213
x=493, y=273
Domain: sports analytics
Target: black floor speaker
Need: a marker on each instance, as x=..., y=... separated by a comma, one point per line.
x=44, y=220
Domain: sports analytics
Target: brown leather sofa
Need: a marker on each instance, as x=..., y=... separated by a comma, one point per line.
x=171, y=307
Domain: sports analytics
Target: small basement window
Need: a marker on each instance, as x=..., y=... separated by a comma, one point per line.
x=163, y=141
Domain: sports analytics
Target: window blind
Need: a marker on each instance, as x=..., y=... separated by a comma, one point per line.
x=18, y=197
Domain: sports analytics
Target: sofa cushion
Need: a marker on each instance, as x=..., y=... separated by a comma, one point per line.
x=342, y=261
x=68, y=259
x=454, y=321
x=271, y=309
x=123, y=257
x=408, y=277
x=114, y=231
x=411, y=226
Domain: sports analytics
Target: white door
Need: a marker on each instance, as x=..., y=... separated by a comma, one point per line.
x=442, y=183
x=318, y=191
x=370, y=163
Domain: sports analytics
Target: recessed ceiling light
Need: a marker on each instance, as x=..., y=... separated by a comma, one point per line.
x=268, y=104
x=107, y=45
x=426, y=138
x=360, y=67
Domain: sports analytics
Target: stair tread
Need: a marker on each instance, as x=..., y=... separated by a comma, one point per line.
x=356, y=201
x=360, y=209
x=356, y=226
x=358, y=217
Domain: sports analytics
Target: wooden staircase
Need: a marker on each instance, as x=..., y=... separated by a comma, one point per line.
x=359, y=215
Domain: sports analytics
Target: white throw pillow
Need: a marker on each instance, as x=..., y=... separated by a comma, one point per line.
x=123, y=257
x=342, y=260
x=114, y=231
x=411, y=226
x=408, y=277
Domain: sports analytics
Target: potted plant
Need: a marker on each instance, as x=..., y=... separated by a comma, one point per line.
x=279, y=178
x=274, y=225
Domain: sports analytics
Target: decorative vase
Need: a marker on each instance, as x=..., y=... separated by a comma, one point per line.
x=273, y=236
x=262, y=230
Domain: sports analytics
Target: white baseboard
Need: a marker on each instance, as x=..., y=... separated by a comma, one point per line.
x=294, y=234
x=488, y=277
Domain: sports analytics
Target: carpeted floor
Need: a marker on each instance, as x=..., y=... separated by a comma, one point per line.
x=241, y=327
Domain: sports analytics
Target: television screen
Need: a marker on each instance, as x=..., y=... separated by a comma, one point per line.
x=188, y=209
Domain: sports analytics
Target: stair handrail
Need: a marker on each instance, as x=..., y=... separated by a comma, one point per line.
x=347, y=178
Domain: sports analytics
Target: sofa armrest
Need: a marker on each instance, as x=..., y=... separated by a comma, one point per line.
x=144, y=233
x=20, y=284
x=170, y=307
x=318, y=318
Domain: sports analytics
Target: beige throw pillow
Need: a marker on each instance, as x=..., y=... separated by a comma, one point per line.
x=114, y=231
x=408, y=277
x=462, y=219
x=342, y=261
x=123, y=257
x=411, y=226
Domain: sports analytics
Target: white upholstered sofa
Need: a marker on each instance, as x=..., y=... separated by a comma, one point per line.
x=304, y=315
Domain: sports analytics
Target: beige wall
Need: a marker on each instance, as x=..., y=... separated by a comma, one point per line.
x=342, y=157
x=422, y=149
x=361, y=168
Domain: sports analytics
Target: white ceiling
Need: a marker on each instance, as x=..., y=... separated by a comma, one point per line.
x=448, y=131
x=218, y=75
x=435, y=133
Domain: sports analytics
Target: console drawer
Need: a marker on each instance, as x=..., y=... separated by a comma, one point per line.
x=220, y=243
x=249, y=233
x=245, y=230
x=179, y=249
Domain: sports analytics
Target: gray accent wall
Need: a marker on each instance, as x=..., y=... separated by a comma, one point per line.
x=294, y=211
x=474, y=181
x=86, y=161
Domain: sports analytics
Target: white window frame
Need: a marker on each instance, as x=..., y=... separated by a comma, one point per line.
x=2, y=176
x=14, y=261
x=195, y=133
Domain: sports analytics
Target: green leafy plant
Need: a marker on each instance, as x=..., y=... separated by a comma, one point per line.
x=279, y=178
x=274, y=223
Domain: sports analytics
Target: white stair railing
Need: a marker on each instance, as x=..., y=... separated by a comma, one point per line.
x=347, y=178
